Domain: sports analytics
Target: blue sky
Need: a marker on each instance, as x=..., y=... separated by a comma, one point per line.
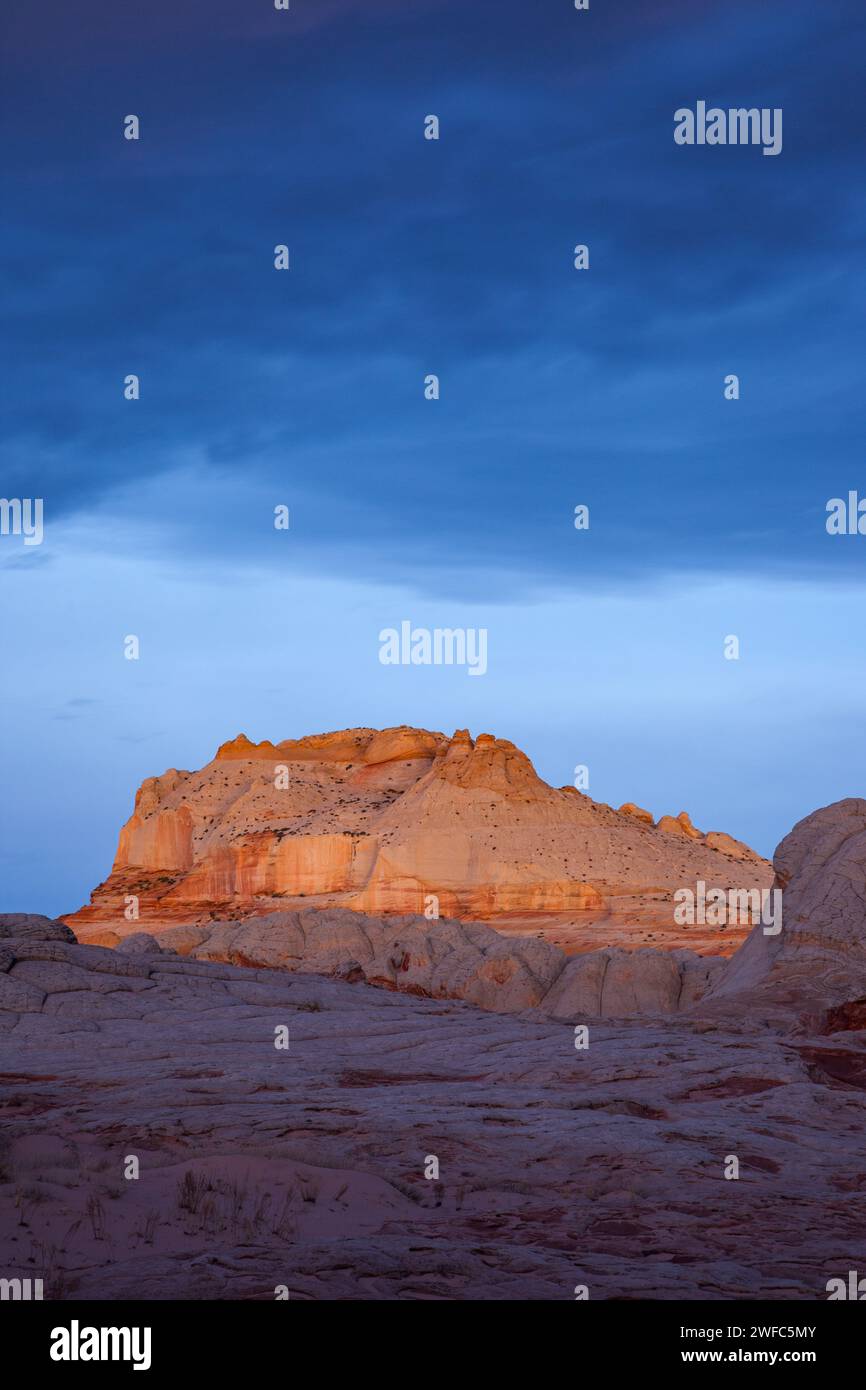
x=306, y=388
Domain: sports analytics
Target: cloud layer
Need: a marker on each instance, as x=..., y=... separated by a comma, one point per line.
x=409, y=257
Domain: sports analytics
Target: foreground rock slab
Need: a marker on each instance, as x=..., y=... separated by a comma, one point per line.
x=260, y=1167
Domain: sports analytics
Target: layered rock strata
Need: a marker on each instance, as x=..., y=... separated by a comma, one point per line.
x=387, y=822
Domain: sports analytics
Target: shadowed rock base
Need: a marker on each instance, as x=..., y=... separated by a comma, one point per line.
x=446, y=959
x=260, y=1167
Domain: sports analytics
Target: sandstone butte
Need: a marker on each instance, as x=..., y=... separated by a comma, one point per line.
x=378, y=821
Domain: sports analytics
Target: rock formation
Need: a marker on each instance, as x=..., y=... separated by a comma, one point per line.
x=382, y=821
x=305, y=1167
x=818, y=960
x=448, y=960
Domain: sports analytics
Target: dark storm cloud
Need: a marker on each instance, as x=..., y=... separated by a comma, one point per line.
x=412, y=257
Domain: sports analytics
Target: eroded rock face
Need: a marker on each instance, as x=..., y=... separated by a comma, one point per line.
x=23, y=925
x=378, y=821
x=818, y=959
x=448, y=960
x=305, y=1166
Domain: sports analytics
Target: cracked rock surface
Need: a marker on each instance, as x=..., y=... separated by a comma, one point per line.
x=260, y=1167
